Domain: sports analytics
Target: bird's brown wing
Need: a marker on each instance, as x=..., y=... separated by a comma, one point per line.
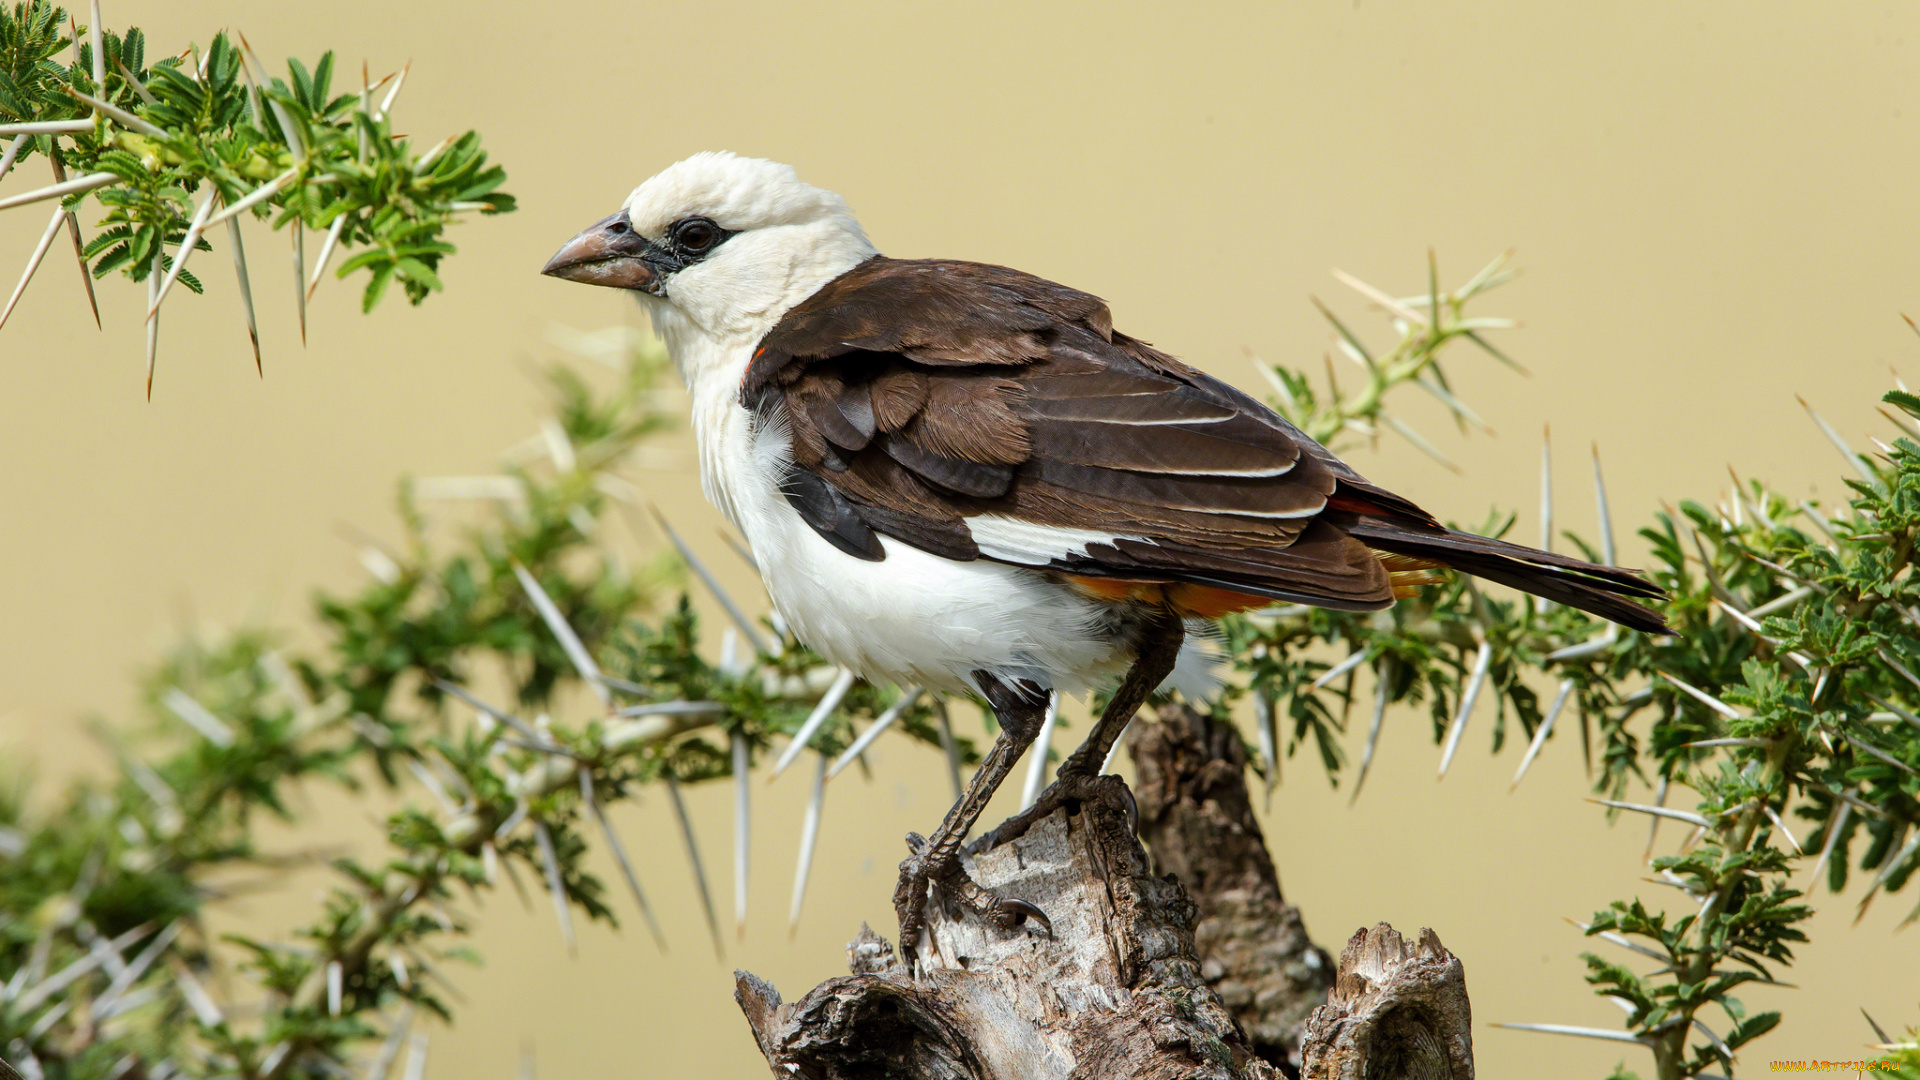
x=978, y=412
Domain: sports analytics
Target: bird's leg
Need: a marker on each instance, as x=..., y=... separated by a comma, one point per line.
x=1078, y=779
x=1020, y=707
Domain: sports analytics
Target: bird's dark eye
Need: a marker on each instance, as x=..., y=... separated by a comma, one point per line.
x=695, y=235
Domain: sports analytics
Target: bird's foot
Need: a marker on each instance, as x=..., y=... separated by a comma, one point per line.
x=1069, y=789
x=927, y=869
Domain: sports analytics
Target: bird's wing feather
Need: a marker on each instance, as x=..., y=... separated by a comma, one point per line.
x=978, y=412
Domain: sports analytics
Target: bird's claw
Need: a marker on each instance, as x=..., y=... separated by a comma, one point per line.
x=1014, y=914
x=926, y=867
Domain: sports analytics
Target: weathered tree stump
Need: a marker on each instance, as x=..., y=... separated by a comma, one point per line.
x=1397, y=1009
x=1122, y=989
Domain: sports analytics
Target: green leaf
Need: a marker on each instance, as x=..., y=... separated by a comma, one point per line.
x=414, y=270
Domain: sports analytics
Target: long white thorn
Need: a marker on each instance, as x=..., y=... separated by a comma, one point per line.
x=1384, y=678
x=1839, y=443
x=47, y=127
x=246, y=291
x=1037, y=754
x=714, y=709
x=1546, y=501
x=1754, y=628
x=1719, y=1044
x=153, y=323
x=366, y=106
x=539, y=738
x=1420, y=443
x=550, y=863
x=295, y=139
x=1892, y=862
x=386, y=103
x=97, y=37
x=1269, y=740
x=126, y=977
x=620, y=856
x=1705, y=698
x=1615, y=939
x=139, y=87
x=1896, y=710
x=253, y=198
x=425, y=164
x=949, y=747
x=1784, y=600
x=569, y=641
x=1896, y=665
x=1468, y=697
x=739, y=617
x=119, y=115
x=1657, y=811
x=1113, y=751
x=417, y=1047
x=739, y=549
x=1546, y=489
x=390, y=1049
x=79, y=247
x=828, y=702
x=205, y=1009
x=1540, y=734
x=1353, y=660
x=187, y=244
x=34, y=260
x=300, y=275
x=809, y=834
x=1881, y=754
x=1653, y=827
x=693, y=857
x=1460, y=409
x=60, y=190
x=1836, y=823
x=742, y=825
x=1393, y=306
x=326, y=252
x=1582, y=1032
x=12, y=154
x=1606, y=517
x=881, y=723
x=1784, y=831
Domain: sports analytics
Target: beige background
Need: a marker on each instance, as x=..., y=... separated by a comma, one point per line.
x=1715, y=207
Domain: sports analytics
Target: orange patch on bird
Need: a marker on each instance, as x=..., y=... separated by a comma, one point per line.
x=1198, y=601
x=1211, y=602
x=1117, y=589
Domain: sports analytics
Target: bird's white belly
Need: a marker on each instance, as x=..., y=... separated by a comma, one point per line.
x=912, y=617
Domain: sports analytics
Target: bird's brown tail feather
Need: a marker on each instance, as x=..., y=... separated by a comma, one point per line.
x=1598, y=590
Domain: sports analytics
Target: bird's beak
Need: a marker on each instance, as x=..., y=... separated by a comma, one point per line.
x=610, y=253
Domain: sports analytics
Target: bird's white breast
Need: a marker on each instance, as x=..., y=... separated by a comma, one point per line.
x=911, y=618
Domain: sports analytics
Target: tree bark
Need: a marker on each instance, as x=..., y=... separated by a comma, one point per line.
x=1142, y=978
x=1196, y=817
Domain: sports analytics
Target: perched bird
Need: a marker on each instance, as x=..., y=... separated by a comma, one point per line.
x=961, y=476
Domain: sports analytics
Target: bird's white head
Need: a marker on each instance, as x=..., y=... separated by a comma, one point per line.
x=719, y=246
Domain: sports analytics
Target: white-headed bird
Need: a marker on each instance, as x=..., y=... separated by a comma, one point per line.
x=961, y=476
